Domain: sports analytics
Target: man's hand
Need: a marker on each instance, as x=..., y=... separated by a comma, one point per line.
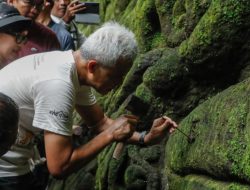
x=123, y=127
x=73, y=8
x=159, y=130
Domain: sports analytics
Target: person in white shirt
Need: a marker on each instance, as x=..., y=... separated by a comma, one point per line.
x=47, y=88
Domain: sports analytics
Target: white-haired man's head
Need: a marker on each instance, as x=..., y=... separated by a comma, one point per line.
x=110, y=43
x=108, y=55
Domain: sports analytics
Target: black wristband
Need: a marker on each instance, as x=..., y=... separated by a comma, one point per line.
x=141, y=138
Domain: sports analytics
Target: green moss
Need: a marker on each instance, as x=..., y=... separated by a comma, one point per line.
x=179, y=8
x=117, y=96
x=143, y=92
x=135, y=178
x=151, y=154
x=165, y=74
x=221, y=129
x=103, y=166
x=193, y=182
x=237, y=144
x=222, y=17
x=156, y=108
x=232, y=13
x=165, y=7
x=235, y=186
x=139, y=19
x=158, y=41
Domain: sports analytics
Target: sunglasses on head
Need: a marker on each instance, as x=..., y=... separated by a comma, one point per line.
x=20, y=38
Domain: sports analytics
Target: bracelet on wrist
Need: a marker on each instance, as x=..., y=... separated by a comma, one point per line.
x=142, y=138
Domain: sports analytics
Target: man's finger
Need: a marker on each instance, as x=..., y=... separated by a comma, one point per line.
x=170, y=121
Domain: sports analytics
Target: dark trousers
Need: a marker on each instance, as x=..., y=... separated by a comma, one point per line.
x=30, y=181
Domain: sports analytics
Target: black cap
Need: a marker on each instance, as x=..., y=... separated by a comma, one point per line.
x=10, y=18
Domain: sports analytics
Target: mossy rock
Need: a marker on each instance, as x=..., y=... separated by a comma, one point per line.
x=199, y=182
x=151, y=154
x=142, y=18
x=221, y=128
x=166, y=75
x=179, y=18
x=209, y=50
x=135, y=178
x=114, y=99
x=112, y=102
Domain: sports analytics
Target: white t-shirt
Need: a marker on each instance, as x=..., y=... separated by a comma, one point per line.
x=46, y=88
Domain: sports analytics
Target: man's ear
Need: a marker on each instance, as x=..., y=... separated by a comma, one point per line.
x=92, y=65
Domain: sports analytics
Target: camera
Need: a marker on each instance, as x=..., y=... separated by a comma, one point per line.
x=90, y=15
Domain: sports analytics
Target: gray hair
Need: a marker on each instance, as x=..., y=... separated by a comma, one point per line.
x=110, y=43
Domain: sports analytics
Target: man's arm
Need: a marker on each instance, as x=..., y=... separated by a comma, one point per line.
x=94, y=117
x=159, y=129
x=62, y=159
x=97, y=121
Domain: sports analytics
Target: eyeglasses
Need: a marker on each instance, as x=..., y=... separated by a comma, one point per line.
x=37, y=4
x=20, y=38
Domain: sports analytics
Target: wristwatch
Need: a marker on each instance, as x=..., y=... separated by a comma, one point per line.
x=141, y=138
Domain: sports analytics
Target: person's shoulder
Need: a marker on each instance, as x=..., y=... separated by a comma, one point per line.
x=45, y=35
x=42, y=29
x=59, y=29
x=59, y=56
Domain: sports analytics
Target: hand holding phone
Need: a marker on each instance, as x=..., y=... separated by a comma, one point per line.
x=72, y=9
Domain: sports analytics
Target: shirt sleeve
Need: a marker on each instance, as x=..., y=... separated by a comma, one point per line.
x=67, y=42
x=53, y=104
x=85, y=96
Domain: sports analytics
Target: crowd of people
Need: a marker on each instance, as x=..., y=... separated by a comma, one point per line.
x=48, y=70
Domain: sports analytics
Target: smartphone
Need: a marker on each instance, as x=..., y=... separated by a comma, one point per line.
x=91, y=7
x=90, y=15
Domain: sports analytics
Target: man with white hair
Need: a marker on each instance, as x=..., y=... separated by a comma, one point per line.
x=47, y=88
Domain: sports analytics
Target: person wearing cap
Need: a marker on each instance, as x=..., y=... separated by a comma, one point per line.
x=58, y=82
x=9, y=115
x=40, y=37
x=13, y=33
